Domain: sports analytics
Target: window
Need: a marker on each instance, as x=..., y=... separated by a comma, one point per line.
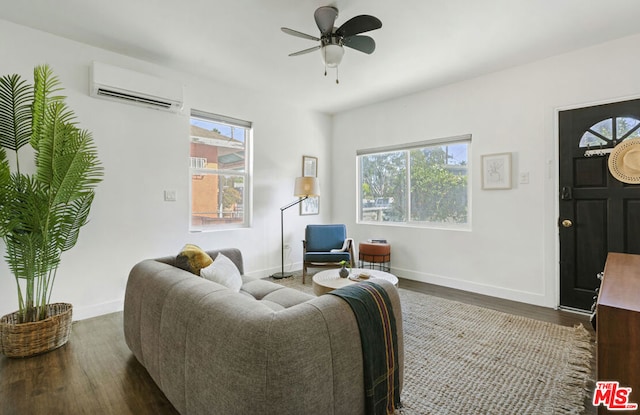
x=219, y=167
x=421, y=183
x=602, y=134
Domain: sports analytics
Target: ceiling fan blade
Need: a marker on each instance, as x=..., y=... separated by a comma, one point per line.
x=325, y=18
x=298, y=34
x=359, y=24
x=362, y=43
x=302, y=52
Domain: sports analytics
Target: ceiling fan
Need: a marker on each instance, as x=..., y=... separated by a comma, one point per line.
x=333, y=39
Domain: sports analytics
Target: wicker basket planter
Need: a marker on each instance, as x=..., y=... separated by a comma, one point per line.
x=29, y=339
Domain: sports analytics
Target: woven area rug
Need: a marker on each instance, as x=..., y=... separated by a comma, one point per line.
x=463, y=359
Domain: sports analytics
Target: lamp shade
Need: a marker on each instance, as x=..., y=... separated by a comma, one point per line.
x=306, y=186
x=332, y=55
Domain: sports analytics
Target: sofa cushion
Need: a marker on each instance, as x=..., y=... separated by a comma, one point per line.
x=259, y=288
x=191, y=258
x=327, y=256
x=272, y=305
x=273, y=294
x=223, y=271
x=287, y=297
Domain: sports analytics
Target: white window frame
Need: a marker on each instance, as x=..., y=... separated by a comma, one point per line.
x=408, y=148
x=196, y=167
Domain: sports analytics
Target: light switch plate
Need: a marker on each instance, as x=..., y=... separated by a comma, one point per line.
x=169, y=195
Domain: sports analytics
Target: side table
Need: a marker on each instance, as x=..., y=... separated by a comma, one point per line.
x=374, y=255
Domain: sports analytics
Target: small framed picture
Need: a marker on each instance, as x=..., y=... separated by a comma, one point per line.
x=496, y=171
x=309, y=166
x=310, y=206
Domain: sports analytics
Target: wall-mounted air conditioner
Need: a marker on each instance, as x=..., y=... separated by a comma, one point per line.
x=119, y=84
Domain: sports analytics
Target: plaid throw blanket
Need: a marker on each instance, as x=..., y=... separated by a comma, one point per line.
x=376, y=322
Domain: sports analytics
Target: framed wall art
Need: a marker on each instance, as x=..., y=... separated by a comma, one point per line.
x=496, y=171
x=311, y=205
x=309, y=166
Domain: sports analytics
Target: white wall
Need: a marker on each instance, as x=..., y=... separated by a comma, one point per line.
x=511, y=251
x=144, y=152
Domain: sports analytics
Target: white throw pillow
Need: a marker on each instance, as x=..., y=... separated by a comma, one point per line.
x=223, y=271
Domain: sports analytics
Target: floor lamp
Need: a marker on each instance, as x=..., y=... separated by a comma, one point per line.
x=304, y=188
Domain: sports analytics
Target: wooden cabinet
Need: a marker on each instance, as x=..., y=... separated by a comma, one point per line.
x=618, y=325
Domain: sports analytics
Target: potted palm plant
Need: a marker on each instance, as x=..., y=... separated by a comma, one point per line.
x=41, y=213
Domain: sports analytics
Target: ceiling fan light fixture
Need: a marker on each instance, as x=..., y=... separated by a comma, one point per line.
x=332, y=55
x=332, y=39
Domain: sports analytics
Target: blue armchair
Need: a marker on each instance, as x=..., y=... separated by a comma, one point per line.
x=326, y=246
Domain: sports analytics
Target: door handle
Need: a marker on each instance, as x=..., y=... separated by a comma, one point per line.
x=567, y=223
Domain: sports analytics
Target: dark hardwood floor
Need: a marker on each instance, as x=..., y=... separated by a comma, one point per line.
x=95, y=373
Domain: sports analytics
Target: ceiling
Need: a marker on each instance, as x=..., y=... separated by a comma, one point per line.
x=422, y=43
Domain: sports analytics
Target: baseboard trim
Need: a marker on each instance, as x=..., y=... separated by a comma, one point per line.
x=484, y=289
x=264, y=273
x=83, y=313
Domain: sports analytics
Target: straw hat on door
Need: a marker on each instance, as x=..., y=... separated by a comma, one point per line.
x=624, y=161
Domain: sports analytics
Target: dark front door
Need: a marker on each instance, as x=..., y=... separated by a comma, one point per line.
x=598, y=214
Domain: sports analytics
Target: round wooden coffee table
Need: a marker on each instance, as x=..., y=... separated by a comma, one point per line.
x=329, y=280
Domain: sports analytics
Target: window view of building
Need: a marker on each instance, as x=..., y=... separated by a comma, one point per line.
x=219, y=171
x=420, y=183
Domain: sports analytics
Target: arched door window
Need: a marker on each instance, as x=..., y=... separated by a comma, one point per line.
x=603, y=133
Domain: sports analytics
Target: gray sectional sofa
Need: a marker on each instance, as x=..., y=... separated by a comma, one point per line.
x=264, y=350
